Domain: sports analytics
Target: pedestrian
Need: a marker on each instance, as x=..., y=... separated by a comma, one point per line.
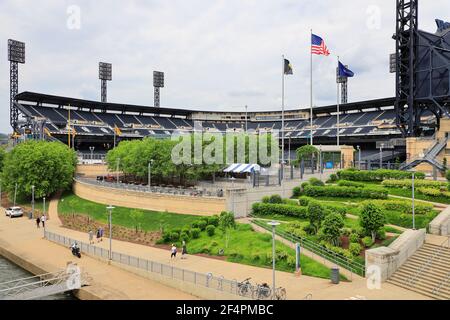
x=183, y=250
x=91, y=237
x=101, y=233
x=38, y=222
x=173, y=251
x=98, y=235
x=43, y=219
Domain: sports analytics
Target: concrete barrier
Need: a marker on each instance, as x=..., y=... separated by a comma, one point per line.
x=440, y=226
x=389, y=259
x=92, y=170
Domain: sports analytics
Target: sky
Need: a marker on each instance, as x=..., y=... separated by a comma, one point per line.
x=217, y=55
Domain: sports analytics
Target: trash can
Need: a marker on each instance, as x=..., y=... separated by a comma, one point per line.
x=335, y=275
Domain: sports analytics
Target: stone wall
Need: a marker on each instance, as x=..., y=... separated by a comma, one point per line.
x=205, y=206
x=441, y=224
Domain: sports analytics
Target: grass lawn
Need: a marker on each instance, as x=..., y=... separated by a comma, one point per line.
x=38, y=204
x=150, y=221
x=253, y=248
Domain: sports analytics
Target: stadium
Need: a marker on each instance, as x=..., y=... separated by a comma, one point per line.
x=357, y=208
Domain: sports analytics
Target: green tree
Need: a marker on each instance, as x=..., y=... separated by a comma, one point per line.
x=2, y=157
x=331, y=228
x=306, y=152
x=226, y=224
x=136, y=216
x=316, y=214
x=49, y=166
x=372, y=219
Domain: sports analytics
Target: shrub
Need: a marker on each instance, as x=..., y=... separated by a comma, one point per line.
x=186, y=230
x=275, y=199
x=264, y=209
x=354, y=238
x=381, y=234
x=346, y=192
x=309, y=229
x=376, y=175
x=174, y=236
x=202, y=225
x=346, y=232
x=367, y=242
x=195, y=224
x=331, y=228
x=403, y=206
x=407, y=183
x=296, y=192
x=346, y=183
x=184, y=237
x=355, y=249
x=341, y=210
x=304, y=185
x=430, y=192
x=316, y=214
x=316, y=182
x=210, y=230
x=214, y=221
x=447, y=175
x=195, y=233
x=304, y=201
x=333, y=177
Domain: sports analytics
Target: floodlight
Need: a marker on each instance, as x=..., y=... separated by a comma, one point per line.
x=16, y=51
x=158, y=79
x=105, y=71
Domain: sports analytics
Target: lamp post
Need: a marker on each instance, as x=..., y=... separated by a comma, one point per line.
x=92, y=153
x=413, y=201
x=246, y=119
x=150, y=176
x=232, y=190
x=273, y=224
x=32, y=202
x=381, y=155
x=15, y=195
x=45, y=218
x=0, y=192
x=110, y=209
x=117, y=170
x=359, y=157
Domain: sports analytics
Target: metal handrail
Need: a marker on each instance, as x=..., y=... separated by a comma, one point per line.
x=352, y=266
x=412, y=279
x=438, y=288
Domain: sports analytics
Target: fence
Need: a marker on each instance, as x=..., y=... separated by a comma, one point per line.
x=338, y=259
x=201, y=279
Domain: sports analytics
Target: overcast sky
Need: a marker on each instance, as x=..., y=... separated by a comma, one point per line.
x=216, y=55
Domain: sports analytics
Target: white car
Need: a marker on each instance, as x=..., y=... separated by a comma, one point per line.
x=14, y=212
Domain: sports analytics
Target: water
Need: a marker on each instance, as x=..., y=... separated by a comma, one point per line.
x=9, y=271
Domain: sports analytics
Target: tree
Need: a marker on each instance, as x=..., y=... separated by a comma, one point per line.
x=372, y=219
x=226, y=223
x=49, y=166
x=331, y=228
x=306, y=152
x=136, y=216
x=2, y=157
x=316, y=214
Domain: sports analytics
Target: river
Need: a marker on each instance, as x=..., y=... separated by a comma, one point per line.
x=9, y=271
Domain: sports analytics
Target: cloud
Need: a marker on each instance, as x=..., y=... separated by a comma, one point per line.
x=216, y=54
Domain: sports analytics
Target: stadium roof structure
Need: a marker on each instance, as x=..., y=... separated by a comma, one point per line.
x=32, y=97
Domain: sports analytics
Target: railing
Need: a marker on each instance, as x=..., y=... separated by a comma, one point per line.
x=200, y=279
x=438, y=288
x=411, y=281
x=338, y=259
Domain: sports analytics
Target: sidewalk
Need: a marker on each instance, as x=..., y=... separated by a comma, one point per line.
x=296, y=287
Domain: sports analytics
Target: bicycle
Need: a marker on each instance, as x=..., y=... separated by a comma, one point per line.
x=245, y=288
x=280, y=294
x=262, y=292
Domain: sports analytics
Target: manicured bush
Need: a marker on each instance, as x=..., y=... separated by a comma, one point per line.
x=264, y=209
x=202, y=224
x=174, y=236
x=405, y=220
x=355, y=249
x=403, y=206
x=316, y=182
x=372, y=219
x=447, y=175
x=214, y=221
x=296, y=192
x=310, y=229
x=407, y=183
x=354, y=238
x=346, y=192
x=304, y=184
x=346, y=183
x=195, y=233
x=184, y=237
x=376, y=175
x=367, y=242
x=304, y=201
x=331, y=228
x=429, y=192
x=333, y=177
x=338, y=209
x=381, y=234
x=210, y=230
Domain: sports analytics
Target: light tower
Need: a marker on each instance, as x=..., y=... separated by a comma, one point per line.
x=104, y=74
x=16, y=55
x=158, y=82
x=343, y=81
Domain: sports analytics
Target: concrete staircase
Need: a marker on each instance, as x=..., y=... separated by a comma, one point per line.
x=426, y=272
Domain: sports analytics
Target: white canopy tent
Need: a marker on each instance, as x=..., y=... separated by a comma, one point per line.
x=242, y=168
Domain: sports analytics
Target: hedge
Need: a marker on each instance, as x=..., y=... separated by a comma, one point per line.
x=264, y=209
x=407, y=183
x=346, y=192
x=405, y=220
x=376, y=175
x=403, y=206
x=346, y=183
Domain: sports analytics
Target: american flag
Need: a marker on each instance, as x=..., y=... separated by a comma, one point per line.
x=318, y=46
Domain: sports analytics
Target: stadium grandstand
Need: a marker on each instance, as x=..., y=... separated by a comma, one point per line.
x=95, y=124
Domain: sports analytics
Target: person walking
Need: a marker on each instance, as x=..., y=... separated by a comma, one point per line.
x=91, y=237
x=173, y=251
x=183, y=250
x=43, y=219
x=38, y=222
x=102, y=233
x=98, y=235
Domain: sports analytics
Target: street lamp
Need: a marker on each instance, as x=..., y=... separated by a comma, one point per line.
x=110, y=209
x=246, y=119
x=413, y=176
x=117, y=170
x=44, y=217
x=273, y=224
x=359, y=157
x=32, y=202
x=150, y=176
x=92, y=153
x=381, y=155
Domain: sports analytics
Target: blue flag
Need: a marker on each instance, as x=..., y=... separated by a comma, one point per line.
x=345, y=72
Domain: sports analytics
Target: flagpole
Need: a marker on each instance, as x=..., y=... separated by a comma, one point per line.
x=338, y=111
x=282, y=114
x=311, y=93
